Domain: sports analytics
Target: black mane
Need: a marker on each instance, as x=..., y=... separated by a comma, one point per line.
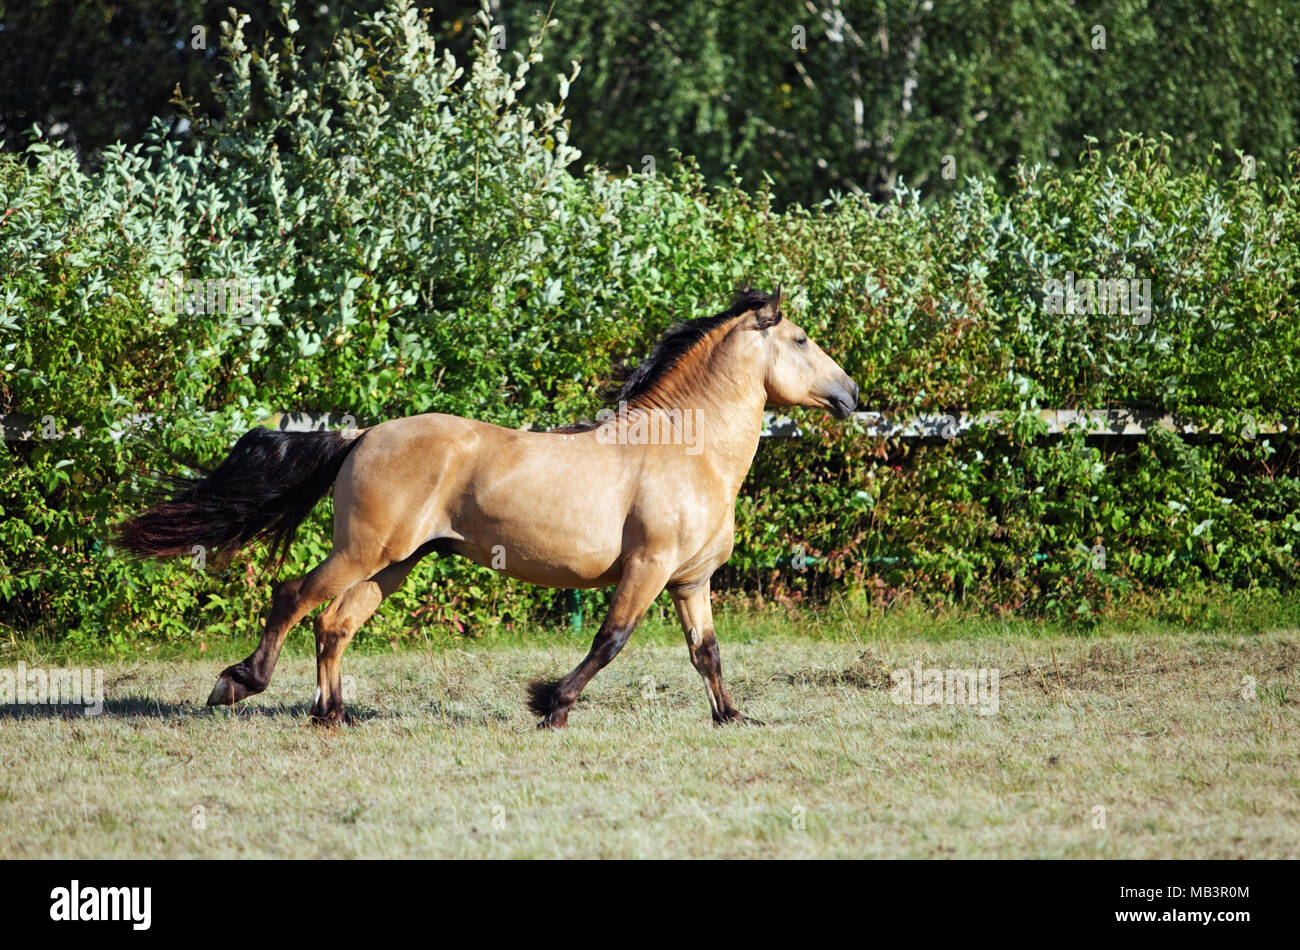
x=671, y=349
x=677, y=341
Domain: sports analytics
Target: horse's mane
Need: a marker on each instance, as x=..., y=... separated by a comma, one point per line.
x=679, y=340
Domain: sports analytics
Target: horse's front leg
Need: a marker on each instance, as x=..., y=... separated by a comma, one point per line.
x=643, y=579
x=695, y=612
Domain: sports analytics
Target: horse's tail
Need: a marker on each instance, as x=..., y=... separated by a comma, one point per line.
x=264, y=489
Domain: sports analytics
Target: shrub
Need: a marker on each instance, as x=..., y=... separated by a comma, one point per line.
x=421, y=243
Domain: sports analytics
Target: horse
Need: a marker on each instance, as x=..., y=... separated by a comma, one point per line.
x=642, y=500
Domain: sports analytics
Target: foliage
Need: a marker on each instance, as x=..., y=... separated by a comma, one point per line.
x=819, y=96
x=422, y=243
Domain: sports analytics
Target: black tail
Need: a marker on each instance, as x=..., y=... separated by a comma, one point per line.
x=264, y=489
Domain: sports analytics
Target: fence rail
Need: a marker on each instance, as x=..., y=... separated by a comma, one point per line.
x=1113, y=422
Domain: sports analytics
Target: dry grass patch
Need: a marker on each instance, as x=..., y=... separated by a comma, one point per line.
x=1157, y=746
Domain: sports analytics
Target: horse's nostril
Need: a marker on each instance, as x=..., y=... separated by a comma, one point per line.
x=849, y=396
x=844, y=400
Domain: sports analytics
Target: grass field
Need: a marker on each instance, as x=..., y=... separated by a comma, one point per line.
x=1114, y=746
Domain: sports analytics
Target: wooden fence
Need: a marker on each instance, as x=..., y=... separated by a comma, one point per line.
x=1112, y=422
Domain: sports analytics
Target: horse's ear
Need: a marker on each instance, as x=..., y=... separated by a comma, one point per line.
x=769, y=314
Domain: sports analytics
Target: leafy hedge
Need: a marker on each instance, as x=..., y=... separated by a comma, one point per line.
x=422, y=245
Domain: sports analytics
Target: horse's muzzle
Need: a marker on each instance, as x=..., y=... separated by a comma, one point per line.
x=844, y=400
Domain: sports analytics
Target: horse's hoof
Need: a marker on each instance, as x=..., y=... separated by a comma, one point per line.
x=558, y=719
x=224, y=693
x=544, y=701
x=330, y=720
x=234, y=684
x=736, y=717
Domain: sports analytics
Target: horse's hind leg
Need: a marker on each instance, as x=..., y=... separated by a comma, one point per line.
x=290, y=602
x=642, y=581
x=335, y=627
x=696, y=614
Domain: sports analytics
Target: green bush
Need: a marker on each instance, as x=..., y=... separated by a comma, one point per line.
x=422, y=244
x=847, y=96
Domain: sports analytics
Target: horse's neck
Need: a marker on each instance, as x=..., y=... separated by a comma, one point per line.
x=732, y=444
x=728, y=421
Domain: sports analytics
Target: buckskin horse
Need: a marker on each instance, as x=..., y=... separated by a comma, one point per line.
x=590, y=505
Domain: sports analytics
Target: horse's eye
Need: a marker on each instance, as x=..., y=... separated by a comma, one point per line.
x=802, y=341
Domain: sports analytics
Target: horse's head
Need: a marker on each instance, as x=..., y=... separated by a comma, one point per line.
x=798, y=372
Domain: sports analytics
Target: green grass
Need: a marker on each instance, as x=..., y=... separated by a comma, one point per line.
x=442, y=760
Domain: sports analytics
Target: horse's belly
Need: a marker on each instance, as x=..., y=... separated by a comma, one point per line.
x=562, y=531
x=553, y=560
x=561, y=569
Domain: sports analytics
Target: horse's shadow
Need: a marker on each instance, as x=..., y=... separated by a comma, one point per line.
x=144, y=707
